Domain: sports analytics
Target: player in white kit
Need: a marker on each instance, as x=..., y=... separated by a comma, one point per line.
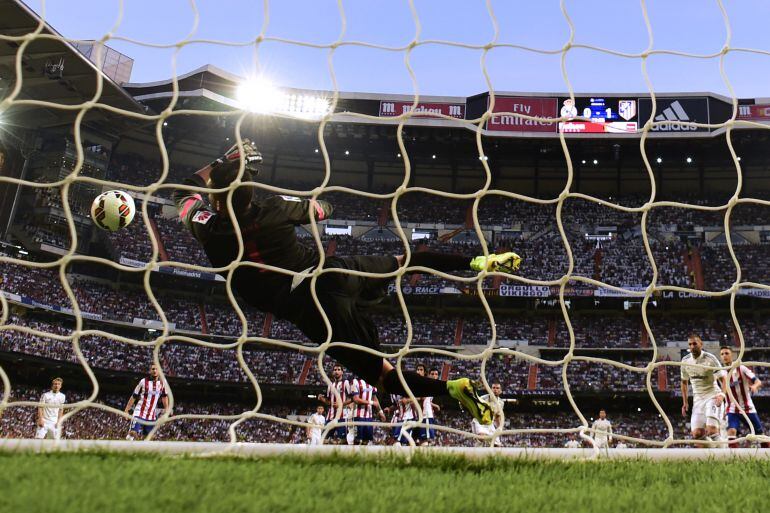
x=496, y=404
x=427, y=435
x=49, y=414
x=708, y=383
x=317, y=422
x=602, y=431
x=572, y=443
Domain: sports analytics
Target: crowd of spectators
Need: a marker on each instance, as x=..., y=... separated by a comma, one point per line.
x=619, y=260
x=179, y=243
x=584, y=376
x=183, y=360
x=427, y=329
x=354, y=206
x=222, y=320
x=599, y=332
x=134, y=241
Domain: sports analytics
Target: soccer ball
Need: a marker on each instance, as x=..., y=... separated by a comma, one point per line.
x=113, y=210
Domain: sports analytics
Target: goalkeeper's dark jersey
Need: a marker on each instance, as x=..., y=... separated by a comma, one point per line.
x=269, y=237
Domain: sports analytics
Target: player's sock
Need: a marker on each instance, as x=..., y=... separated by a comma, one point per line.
x=444, y=262
x=420, y=386
x=731, y=443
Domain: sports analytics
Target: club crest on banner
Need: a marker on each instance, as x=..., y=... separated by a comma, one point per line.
x=627, y=109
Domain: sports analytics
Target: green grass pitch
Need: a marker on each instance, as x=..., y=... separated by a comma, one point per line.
x=108, y=482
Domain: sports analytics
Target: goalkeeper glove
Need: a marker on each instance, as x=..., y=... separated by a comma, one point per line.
x=225, y=169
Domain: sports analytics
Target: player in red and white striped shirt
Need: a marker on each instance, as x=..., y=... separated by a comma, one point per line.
x=397, y=409
x=365, y=403
x=743, y=383
x=342, y=385
x=146, y=395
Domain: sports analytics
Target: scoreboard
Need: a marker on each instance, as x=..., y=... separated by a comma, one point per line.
x=598, y=115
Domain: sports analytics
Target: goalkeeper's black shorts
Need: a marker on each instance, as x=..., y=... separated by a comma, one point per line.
x=341, y=295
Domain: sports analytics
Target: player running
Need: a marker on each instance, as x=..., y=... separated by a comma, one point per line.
x=146, y=395
x=708, y=381
x=602, y=431
x=50, y=412
x=743, y=384
x=267, y=227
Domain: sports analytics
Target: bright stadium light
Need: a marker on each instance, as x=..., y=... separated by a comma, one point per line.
x=433, y=156
x=347, y=152
x=659, y=160
x=260, y=96
x=595, y=162
x=582, y=161
x=316, y=150
x=689, y=160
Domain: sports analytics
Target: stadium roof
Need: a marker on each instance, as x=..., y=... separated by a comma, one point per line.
x=74, y=85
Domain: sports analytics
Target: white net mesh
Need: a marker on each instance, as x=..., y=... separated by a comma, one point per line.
x=245, y=331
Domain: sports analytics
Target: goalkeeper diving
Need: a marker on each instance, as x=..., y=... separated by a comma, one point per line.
x=267, y=227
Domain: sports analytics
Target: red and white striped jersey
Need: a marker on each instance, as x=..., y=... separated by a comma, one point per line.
x=427, y=407
x=365, y=391
x=147, y=394
x=740, y=381
x=409, y=411
x=343, y=387
x=398, y=408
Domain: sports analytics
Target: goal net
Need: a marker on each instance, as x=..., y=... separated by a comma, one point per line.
x=149, y=295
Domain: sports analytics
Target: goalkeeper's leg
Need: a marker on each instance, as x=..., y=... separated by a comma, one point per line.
x=339, y=294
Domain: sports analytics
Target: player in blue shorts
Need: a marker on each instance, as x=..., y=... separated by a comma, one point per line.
x=148, y=393
x=743, y=384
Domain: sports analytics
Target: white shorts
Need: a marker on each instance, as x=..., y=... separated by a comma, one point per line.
x=315, y=440
x=49, y=430
x=705, y=412
x=482, y=429
x=601, y=442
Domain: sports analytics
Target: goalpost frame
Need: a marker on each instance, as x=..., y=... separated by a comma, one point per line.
x=256, y=450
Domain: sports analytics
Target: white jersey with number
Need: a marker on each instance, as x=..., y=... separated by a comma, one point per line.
x=703, y=379
x=740, y=383
x=602, y=430
x=52, y=399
